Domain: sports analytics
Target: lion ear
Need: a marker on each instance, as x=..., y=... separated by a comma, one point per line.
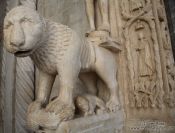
x=28, y=3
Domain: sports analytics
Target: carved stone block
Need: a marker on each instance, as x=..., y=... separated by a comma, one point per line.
x=104, y=123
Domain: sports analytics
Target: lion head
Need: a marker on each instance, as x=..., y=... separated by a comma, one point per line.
x=23, y=31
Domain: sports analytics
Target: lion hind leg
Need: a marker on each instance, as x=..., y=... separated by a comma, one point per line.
x=107, y=70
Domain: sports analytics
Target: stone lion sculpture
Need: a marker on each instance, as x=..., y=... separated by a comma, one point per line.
x=57, y=50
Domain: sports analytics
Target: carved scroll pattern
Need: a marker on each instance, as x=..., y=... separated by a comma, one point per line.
x=145, y=55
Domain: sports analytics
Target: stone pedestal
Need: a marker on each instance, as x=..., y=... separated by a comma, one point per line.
x=104, y=123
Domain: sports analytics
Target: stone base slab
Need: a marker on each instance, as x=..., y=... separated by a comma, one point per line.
x=104, y=123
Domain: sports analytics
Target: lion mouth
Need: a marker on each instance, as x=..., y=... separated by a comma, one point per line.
x=23, y=53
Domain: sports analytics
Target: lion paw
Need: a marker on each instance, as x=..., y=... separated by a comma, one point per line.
x=113, y=105
x=58, y=107
x=34, y=106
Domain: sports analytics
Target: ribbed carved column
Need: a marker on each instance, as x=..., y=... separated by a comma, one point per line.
x=24, y=93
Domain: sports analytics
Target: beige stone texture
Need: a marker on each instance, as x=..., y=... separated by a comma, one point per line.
x=137, y=40
x=58, y=50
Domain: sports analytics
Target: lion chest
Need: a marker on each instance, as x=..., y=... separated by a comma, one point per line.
x=46, y=60
x=51, y=53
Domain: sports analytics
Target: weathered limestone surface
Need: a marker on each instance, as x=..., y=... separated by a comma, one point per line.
x=145, y=59
x=105, y=123
x=146, y=70
x=57, y=50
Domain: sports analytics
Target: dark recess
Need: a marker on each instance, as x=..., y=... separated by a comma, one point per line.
x=170, y=11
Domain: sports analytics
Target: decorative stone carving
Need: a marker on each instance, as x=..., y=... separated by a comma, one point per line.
x=98, y=16
x=148, y=54
x=57, y=49
x=137, y=5
x=90, y=105
x=169, y=99
x=92, y=14
x=145, y=61
x=171, y=77
x=142, y=49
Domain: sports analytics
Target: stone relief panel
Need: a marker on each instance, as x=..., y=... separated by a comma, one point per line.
x=149, y=57
x=146, y=84
x=142, y=44
x=143, y=59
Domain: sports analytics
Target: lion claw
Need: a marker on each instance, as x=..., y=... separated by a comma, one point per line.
x=113, y=105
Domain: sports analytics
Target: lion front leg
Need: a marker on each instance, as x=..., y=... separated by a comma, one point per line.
x=42, y=97
x=63, y=105
x=43, y=93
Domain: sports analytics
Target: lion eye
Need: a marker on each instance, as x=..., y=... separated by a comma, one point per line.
x=7, y=25
x=26, y=20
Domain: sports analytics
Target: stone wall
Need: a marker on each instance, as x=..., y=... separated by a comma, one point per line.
x=68, y=12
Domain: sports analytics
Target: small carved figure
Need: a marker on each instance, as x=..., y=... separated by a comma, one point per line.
x=90, y=105
x=145, y=61
x=136, y=4
x=58, y=50
x=91, y=14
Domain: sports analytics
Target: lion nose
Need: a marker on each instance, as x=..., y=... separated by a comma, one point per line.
x=16, y=44
x=17, y=36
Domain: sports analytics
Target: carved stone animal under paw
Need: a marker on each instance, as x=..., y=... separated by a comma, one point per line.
x=57, y=50
x=50, y=117
x=59, y=107
x=90, y=105
x=43, y=119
